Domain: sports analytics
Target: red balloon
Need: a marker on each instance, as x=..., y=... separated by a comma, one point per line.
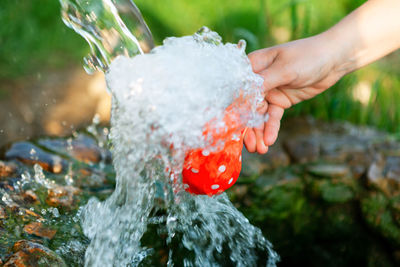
x=210, y=173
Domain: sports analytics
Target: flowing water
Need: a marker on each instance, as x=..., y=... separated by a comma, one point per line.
x=161, y=102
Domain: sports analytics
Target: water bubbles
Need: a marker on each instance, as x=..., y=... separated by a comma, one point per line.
x=161, y=103
x=56, y=213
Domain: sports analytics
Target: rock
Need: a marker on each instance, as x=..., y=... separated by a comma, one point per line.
x=329, y=170
x=276, y=157
x=7, y=169
x=3, y=214
x=37, y=229
x=30, y=197
x=30, y=154
x=26, y=214
x=340, y=148
x=82, y=148
x=254, y=164
x=303, y=149
x=62, y=196
x=28, y=253
x=334, y=192
x=384, y=173
x=89, y=177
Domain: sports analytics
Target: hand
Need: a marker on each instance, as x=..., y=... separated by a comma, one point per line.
x=292, y=72
x=299, y=70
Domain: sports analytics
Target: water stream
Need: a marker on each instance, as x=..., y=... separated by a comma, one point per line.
x=161, y=102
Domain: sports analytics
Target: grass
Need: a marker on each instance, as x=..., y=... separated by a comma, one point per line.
x=35, y=40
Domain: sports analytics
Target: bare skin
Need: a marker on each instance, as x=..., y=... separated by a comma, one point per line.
x=299, y=70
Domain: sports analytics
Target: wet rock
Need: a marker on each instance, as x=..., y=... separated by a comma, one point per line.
x=7, y=169
x=30, y=154
x=28, y=253
x=89, y=177
x=334, y=192
x=37, y=229
x=303, y=149
x=25, y=214
x=30, y=197
x=329, y=170
x=3, y=214
x=340, y=148
x=62, y=196
x=384, y=173
x=82, y=148
x=276, y=157
x=255, y=164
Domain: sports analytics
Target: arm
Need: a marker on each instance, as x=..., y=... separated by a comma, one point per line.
x=301, y=69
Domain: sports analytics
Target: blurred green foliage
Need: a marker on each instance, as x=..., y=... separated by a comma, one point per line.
x=34, y=39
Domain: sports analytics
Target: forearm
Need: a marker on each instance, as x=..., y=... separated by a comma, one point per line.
x=367, y=34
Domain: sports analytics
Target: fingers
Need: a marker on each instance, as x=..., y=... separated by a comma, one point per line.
x=271, y=127
x=250, y=140
x=261, y=148
x=254, y=138
x=277, y=75
x=263, y=58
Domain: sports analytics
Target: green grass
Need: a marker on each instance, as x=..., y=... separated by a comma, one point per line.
x=35, y=40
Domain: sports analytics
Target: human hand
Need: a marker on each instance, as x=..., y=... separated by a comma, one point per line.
x=299, y=70
x=292, y=72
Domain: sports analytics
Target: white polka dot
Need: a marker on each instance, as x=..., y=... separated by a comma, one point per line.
x=205, y=153
x=195, y=170
x=235, y=137
x=221, y=168
x=230, y=181
x=215, y=186
x=240, y=158
x=185, y=186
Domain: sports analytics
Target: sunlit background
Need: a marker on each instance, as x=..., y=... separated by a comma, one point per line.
x=44, y=90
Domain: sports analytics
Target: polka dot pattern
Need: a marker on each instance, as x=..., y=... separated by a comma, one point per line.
x=208, y=172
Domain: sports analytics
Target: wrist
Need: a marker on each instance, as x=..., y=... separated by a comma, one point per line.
x=341, y=51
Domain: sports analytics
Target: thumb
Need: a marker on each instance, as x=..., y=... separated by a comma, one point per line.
x=276, y=76
x=262, y=59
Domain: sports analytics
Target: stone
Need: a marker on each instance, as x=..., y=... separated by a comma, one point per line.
x=30, y=154
x=27, y=253
x=37, y=229
x=340, y=148
x=62, y=196
x=30, y=197
x=3, y=214
x=254, y=164
x=329, y=170
x=7, y=169
x=276, y=157
x=384, y=173
x=82, y=148
x=335, y=192
x=303, y=149
x=25, y=214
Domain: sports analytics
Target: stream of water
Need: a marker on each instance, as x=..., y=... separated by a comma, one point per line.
x=161, y=102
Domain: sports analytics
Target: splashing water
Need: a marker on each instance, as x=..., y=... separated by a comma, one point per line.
x=161, y=102
x=104, y=25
